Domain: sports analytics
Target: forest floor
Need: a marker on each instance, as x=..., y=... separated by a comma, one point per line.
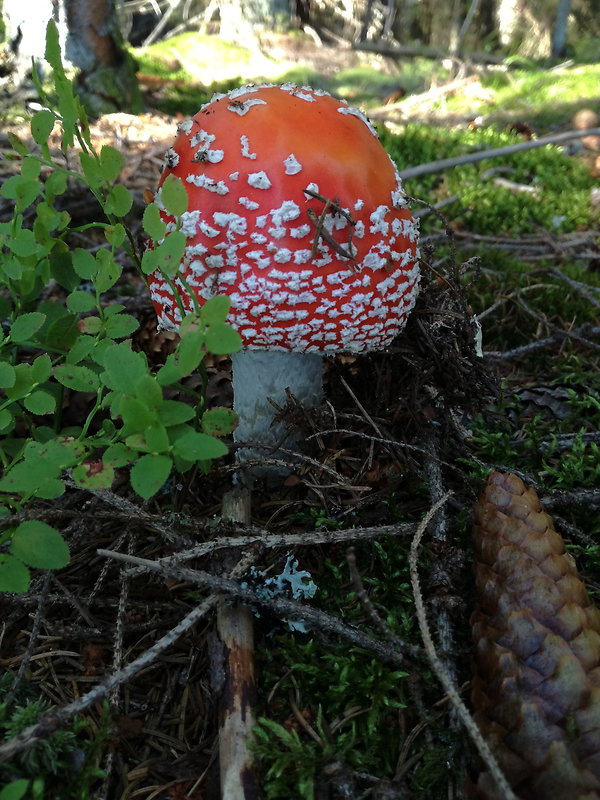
x=342, y=717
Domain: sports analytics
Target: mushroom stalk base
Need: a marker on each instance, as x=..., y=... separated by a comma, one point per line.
x=260, y=376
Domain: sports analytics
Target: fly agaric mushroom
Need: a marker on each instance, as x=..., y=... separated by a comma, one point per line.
x=297, y=214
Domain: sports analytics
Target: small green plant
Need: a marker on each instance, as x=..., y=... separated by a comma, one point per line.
x=80, y=344
x=290, y=762
x=63, y=765
x=22, y=789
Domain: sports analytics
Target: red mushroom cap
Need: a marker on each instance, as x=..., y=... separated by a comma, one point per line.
x=296, y=212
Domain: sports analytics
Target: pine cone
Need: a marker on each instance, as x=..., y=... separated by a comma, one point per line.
x=536, y=685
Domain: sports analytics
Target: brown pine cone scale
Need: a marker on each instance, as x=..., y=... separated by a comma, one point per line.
x=536, y=684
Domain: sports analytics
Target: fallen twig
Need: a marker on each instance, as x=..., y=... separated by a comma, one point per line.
x=283, y=540
x=280, y=606
x=481, y=155
x=580, y=335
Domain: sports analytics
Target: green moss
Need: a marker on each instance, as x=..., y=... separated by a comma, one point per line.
x=562, y=184
x=351, y=698
x=544, y=98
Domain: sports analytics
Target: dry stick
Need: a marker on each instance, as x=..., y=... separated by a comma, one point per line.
x=559, y=336
x=319, y=620
x=441, y=575
x=439, y=668
x=286, y=540
x=471, y=158
x=35, y=631
x=235, y=627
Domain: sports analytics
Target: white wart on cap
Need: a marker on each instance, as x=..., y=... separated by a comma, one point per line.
x=295, y=212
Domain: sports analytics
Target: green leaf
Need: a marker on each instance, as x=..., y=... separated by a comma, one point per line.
x=136, y=415
x=63, y=332
x=11, y=267
x=91, y=170
x=219, y=421
x=41, y=369
x=52, y=52
x=150, y=262
x=121, y=325
x=222, y=339
x=39, y=545
x=23, y=382
x=111, y=162
x=81, y=302
x=174, y=195
x=123, y=368
x=62, y=270
x=170, y=373
x=118, y=455
x=22, y=190
x=114, y=308
x=119, y=201
x=94, y=474
x=40, y=403
x=215, y=309
x=152, y=223
x=14, y=577
x=149, y=391
x=31, y=168
x=91, y=325
x=115, y=234
x=81, y=349
x=23, y=243
x=149, y=474
x=55, y=453
x=8, y=376
x=47, y=217
x=84, y=264
x=56, y=183
x=17, y=145
x=42, y=123
x=190, y=351
x=157, y=439
x=78, y=378
x=109, y=271
x=168, y=255
x=199, y=447
x=174, y=412
x=26, y=325
x=6, y=420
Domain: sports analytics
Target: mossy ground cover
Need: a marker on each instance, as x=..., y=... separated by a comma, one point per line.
x=334, y=716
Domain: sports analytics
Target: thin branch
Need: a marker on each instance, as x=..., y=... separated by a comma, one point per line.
x=280, y=606
x=42, y=595
x=283, y=540
x=481, y=155
x=579, y=335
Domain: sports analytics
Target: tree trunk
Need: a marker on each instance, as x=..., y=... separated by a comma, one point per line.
x=559, y=35
x=106, y=81
x=25, y=34
x=241, y=20
x=90, y=40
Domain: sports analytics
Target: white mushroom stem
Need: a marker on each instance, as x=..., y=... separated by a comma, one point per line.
x=263, y=375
